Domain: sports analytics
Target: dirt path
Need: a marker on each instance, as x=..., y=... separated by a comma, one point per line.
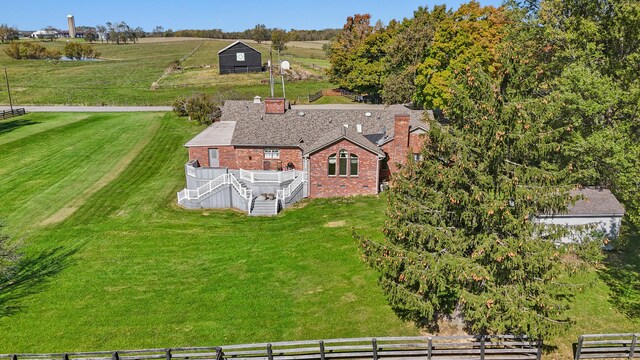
x=113, y=174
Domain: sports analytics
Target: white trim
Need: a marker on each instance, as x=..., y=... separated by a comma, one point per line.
x=234, y=44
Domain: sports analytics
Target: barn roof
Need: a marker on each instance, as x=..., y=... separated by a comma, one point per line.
x=234, y=44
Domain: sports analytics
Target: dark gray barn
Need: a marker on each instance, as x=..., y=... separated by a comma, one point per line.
x=239, y=58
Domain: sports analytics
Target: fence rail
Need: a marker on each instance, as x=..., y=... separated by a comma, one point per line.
x=315, y=96
x=607, y=346
x=6, y=114
x=504, y=347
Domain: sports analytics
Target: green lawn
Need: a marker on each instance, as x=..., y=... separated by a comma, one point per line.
x=148, y=274
x=125, y=74
x=94, y=196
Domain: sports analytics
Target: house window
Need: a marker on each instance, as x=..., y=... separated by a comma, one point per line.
x=353, y=168
x=343, y=162
x=417, y=157
x=332, y=165
x=272, y=153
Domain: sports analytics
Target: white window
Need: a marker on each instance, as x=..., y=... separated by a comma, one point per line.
x=240, y=56
x=417, y=157
x=272, y=153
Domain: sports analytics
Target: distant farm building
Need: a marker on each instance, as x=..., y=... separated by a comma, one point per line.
x=239, y=58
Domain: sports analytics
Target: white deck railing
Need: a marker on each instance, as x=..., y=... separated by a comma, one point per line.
x=268, y=176
x=224, y=179
x=285, y=193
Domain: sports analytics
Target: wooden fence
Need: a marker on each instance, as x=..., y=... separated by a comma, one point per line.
x=315, y=96
x=607, y=346
x=6, y=114
x=494, y=347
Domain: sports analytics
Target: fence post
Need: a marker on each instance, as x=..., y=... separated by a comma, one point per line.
x=482, y=340
x=539, y=355
x=429, y=347
x=115, y=356
x=65, y=357
x=579, y=347
x=219, y=353
x=168, y=354
x=14, y=357
x=322, y=350
x=269, y=352
x=633, y=346
x=374, y=342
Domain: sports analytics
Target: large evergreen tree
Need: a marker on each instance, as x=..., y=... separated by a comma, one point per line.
x=460, y=235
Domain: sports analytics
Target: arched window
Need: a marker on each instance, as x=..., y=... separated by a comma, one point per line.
x=343, y=162
x=353, y=166
x=332, y=165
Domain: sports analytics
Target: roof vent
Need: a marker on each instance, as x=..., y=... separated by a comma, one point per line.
x=257, y=100
x=359, y=127
x=345, y=125
x=367, y=114
x=301, y=113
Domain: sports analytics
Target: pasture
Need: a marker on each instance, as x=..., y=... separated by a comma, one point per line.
x=126, y=74
x=117, y=265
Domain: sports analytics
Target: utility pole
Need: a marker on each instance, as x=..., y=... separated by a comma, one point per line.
x=8, y=90
x=271, y=71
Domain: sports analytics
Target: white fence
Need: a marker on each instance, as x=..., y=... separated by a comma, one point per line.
x=284, y=194
x=224, y=179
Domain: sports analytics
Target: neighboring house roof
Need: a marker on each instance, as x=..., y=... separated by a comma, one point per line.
x=217, y=134
x=234, y=44
x=343, y=133
x=596, y=202
x=303, y=126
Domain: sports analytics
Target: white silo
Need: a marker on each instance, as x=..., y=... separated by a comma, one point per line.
x=72, y=26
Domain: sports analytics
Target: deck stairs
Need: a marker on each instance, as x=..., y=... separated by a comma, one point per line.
x=264, y=207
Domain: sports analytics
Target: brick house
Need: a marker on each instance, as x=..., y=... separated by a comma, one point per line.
x=274, y=154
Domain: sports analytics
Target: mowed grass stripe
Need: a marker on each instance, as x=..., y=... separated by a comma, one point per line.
x=17, y=128
x=150, y=274
x=47, y=170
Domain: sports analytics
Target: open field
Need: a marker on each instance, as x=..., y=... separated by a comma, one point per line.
x=126, y=73
x=133, y=270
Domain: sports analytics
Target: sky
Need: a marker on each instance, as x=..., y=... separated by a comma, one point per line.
x=229, y=15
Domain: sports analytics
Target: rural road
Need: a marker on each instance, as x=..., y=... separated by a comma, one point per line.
x=89, y=108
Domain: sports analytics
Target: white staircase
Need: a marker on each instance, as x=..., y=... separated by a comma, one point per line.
x=213, y=185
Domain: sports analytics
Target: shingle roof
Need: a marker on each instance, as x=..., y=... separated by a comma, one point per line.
x=596, y=202
x=339, y=133
x=302, y=127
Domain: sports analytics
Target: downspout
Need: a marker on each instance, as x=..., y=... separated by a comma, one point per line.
x=378, y=185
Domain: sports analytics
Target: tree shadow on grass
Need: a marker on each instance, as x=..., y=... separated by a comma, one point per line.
x=622, y=273
x=29, y=275
x=11, y=125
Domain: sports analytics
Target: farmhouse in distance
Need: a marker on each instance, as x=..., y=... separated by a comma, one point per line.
x=239, y=57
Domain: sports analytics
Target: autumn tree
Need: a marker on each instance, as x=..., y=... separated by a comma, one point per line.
x=468, y=37
x=407, y=49
x=357, y=55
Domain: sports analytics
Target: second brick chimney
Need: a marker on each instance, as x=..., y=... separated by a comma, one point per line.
x=400, y=139
x=275, y=105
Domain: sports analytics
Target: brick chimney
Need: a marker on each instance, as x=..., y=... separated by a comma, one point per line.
x=275, y=105
x=400, y=139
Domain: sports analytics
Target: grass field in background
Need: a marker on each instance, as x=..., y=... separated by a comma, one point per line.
x=133, y=270
x=125, y=74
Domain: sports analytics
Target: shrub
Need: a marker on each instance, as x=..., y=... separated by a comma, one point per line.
x=199, y=107
x=78, y=51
